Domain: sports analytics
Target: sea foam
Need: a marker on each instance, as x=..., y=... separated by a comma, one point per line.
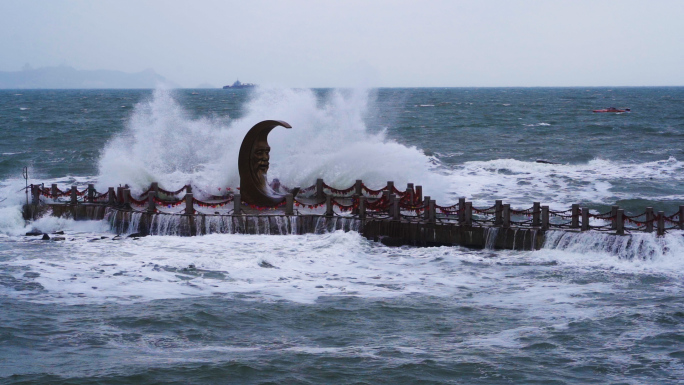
x=559, y=185
x=329, y=140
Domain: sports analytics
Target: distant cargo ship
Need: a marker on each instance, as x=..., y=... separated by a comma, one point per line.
x=237, y=84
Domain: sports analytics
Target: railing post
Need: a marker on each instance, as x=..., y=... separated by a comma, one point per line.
x=574, y=222
x=289, y=204
x=389, y=189
x=319, y=189
x=536, y=214
x=74, y=196
x=151, y=205
x=661, y=223
x=358, y=187
x=411, y=193
x=419, y=193
x=237, y=204
x=35, y=194
x=295, y=191
x=111, y=197
x=91, y=193
x=681, y=217
x=362, y=207
x=498, y=207
x=126, y=197
x=189, y=204
x=545, y=218
x=461, y=210
x=613, y=215
x=426, y=207
x=649, y=219
x=188, y=189
x=390, y=186
x=506, y=215
x=328, y=206
x=154, y=189
x=119, y=195
x=620, y=222
x=396, y=211
x=190, y=211
x=468, y=214
x=53, y=190
x=585, y=219
x=432, y=212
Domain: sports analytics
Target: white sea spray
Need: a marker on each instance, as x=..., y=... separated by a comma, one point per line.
x=329, y=140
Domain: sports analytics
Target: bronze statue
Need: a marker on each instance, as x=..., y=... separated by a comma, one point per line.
x=253, y=165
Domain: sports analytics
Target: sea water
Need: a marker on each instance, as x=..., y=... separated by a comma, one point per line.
x=335, y=307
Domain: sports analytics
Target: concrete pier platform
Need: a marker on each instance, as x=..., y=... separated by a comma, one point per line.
x=388, y=231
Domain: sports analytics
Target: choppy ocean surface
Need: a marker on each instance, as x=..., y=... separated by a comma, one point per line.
x=335, y=307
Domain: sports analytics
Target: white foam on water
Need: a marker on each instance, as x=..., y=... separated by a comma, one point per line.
x=633, y=253
x=85, y=268
x=329, y=140
x=540, y=286
x=11, y=220
x=12, y=198
x=305, y=268
x=541, y=124
x=49, y=224
x=558, y=185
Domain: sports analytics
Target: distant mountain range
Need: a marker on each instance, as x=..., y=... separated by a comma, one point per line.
x=61, y=77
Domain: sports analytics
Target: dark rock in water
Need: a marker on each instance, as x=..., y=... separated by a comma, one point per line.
x=58, y=238
x=545, y=161
x=392, y=241
x=137, y=235
x=266, y=265
x=58, y=233
x=46, y=237
x=34, y=233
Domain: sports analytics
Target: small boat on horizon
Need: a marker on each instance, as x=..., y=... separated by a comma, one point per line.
x=613, y=109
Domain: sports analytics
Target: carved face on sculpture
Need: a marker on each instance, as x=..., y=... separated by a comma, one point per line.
x=260, y=158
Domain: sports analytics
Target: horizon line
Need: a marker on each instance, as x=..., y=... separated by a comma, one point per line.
x=336, y=87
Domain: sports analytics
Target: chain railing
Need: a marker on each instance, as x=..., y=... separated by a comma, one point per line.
x=384, y=203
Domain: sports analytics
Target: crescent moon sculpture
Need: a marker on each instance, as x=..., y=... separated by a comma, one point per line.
x=253, y=165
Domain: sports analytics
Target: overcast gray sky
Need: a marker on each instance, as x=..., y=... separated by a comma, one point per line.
x=351, y=43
